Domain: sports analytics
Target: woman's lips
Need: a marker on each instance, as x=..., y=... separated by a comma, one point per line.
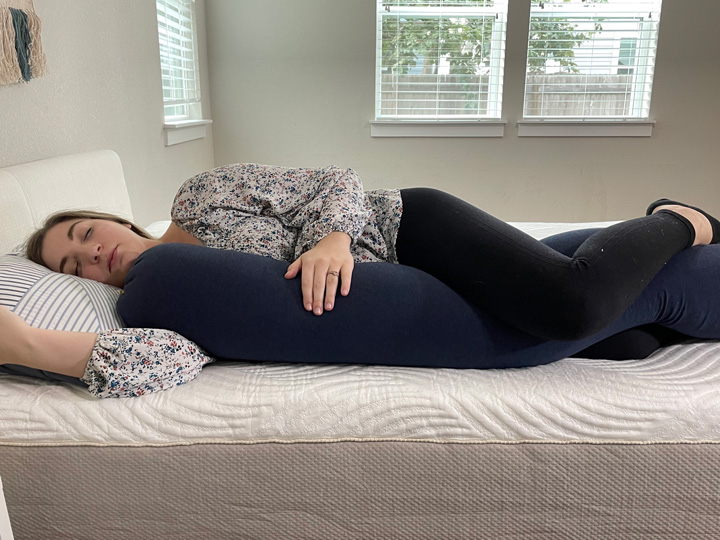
x=111, y=259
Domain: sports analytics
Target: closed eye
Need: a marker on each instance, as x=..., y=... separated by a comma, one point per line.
x=78, y=268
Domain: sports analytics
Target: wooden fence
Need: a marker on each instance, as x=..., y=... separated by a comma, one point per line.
x=549, y=95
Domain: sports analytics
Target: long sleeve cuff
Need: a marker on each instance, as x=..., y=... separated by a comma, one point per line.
x=130, y=362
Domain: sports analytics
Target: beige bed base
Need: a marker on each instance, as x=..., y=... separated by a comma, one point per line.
x=363, y=490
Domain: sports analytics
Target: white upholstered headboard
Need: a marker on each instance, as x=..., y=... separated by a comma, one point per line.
x=31, y=191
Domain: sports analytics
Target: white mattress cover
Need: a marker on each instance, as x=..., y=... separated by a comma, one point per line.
x=673, y=396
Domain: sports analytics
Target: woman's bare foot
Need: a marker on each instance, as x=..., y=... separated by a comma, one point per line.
x=702, y=225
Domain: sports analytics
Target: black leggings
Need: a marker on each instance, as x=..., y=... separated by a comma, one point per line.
x=643, y=340
x=522, y=281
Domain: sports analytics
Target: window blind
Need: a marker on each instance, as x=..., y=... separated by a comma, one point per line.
x=440, y=60
x=591, y=58
x=178, y=58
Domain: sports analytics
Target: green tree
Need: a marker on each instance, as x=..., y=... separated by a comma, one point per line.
x=556, y=39
x=465, y=41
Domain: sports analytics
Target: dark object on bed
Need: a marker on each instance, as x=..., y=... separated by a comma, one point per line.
x=634, y=343
x=238, y=306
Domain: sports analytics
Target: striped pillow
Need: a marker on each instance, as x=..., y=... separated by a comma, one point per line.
x=46, y=299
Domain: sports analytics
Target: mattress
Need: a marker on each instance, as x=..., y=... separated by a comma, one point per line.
x=669, y=397
x=577, y=448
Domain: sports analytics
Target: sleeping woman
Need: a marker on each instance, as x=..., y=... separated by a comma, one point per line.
x=530, y=302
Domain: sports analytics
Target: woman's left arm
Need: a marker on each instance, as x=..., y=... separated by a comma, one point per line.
x=332, y=222
x=325, y=206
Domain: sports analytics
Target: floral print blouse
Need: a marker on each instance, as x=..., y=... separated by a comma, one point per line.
x=272, y=211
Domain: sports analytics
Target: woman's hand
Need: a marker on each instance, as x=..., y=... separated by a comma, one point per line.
x=324, y=268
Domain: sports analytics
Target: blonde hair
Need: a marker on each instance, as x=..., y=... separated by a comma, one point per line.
x=33, y=249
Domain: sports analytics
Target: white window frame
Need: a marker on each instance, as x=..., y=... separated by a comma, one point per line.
x=438, y=125
x=180, y=71
x=638, y=116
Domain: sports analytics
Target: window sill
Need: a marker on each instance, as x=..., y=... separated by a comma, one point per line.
x=425, y=128
x=585, y=128
x=187, y=130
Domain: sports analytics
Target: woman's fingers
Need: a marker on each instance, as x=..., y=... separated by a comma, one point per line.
x=346, y=276
x=336, y=278
x=319, y=282
x=307, y=281
x=331, y=287
x=293, y=269
x=323, y=269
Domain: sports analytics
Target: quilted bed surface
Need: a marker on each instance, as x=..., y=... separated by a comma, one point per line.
x=670, y=397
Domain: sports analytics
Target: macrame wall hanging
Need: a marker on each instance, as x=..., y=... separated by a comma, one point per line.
x=21, y=53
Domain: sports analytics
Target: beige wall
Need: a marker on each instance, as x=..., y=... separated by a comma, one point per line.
x=292, y=84
x=102, y=90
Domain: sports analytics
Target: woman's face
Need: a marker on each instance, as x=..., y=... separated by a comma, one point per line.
x=97, y=249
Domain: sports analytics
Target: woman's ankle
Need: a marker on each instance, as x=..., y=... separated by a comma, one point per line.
x=701, y=224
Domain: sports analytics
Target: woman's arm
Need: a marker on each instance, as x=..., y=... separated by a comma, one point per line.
x=314, y=202
x=129, y=362
x=337, y=204
x=325, y=208
x=61, y=352
x=122, y=362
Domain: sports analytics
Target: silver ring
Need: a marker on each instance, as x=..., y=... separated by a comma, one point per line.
x=333, y=273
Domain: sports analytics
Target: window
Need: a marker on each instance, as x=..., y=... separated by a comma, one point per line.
x=178, y=60
x=591, y=59
x=440, y=60
x=627, y=56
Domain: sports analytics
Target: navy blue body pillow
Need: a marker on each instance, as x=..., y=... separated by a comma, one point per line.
x=239, y=306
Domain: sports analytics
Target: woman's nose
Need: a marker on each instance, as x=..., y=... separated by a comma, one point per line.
x=94, y=253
